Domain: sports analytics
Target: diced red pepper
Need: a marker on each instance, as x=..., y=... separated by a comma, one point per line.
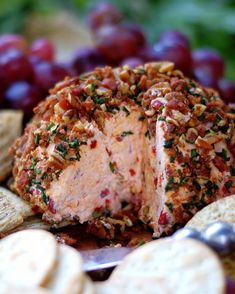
x=154, y=150
x=51, y=206
x=64, y=104
x=156, y=104
x=104, y=193
x=132, y=172
x=93, y=144
x=163, y=219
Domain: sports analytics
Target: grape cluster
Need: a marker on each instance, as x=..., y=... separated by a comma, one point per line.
x=28, y=71
x=219, y=236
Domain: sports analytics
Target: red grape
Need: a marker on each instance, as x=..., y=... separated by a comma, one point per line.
x=175, y=52
x=104, y=14
x=86, y=59
x=22, y=95
x=15, y=41
x=14, y=66
x=227, y=90
x=132, y=61
x=230, y=286
x=136, y=31
x=205, y=76
x=176, y=37
x=208, y=58
x=46, y=74
x=147, y=53
x=43, y=49
x=116, y=43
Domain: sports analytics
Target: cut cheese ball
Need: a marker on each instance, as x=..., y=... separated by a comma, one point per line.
x=10, y=129
x=146, y=138
x=28, y=258
x=181, y=266
x=220, y=210
x=68, y=275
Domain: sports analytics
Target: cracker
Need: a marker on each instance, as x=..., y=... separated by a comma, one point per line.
x=220, y=210
x=88, y=286
x=68, y=276
x=10, y=129
x=8, y=289
x=179, y=265
x=28, y=258
x=13, y=210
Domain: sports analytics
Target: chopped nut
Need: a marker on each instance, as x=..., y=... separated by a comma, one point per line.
x=172, y=121
x=79, y=126
x=150, y=113
x=203, y=143
x=166, y=66
x=198, y=109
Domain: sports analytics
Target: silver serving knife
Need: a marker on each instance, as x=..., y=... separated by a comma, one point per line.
x=103, y=258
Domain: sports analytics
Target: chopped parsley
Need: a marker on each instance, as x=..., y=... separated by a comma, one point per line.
x=98, y=100
x=62, y=149
x=169, y=143
x=169, y=184
x=44, y=176
x=223, y=154
x=37, y=138
x=161, y=118
x=51, y=124
x=193, y=153
x=172, y=159
x=232, y=171
x=74, y=143
x=169, y=205
x=34, y=163
x=45, y=198
x=126, y=133
x=112, y=167
x=92, y=87
x=124, y=108
x=196, y=185
x=228, y=185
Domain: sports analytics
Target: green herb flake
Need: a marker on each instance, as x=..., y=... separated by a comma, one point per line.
x=74, y=143
x=98, y=100
x=92, y=87
x=223, y=154
x=169, y=184
x=141, y=242
x=196, y=185
x=169, y=143
x=161, y=118
x=51, y=124
x=193, y=153
x=37, y=139
x=62, y=149
x=112, y=167
x=96, y=213
x=44, y=176
x=126, y=133
x=170, y=206
x=34, y=163
x=126, y=110
x=232, y=171
x=172, y=159
x=45, y=198
x=228, y=185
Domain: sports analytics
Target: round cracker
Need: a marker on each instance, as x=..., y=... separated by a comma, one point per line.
x=220, y=210
x=68, y=276
x=28, y=258
x=88, y=286
x=179, y=265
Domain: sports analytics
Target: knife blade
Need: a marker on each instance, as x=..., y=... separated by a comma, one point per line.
x=103, y=258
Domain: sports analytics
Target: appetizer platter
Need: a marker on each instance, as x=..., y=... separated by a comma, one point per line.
x=123, y=178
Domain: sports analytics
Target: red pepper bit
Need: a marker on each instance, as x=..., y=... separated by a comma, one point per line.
x=154, y=150
x=36, y=208
x=163, y=219
x=51, y=207
x=64, y=104
x=104, y=193
x=93, y=144
x=132, y=172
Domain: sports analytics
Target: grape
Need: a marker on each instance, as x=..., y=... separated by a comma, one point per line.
x=227, y=90
x=115, y=43
x=103, y=14
x=22, y=95
x=43, y=49
x=136, y=31
x=175, y=52
x=132, y=61
x=209, y=59
x=47, y=74
x=86, y=59
x=14, y=66
x=205, y=76
x=230, y=286
x=176, y=37
x=15, y=41
x=147, y=53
